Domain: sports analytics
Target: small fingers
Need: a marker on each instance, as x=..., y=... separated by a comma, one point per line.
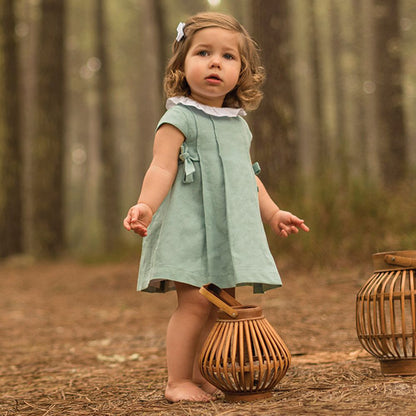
x=133, y=216
x=126, y=223
x=304, y=227
x=140, y=229
x=130, y=219
x=286, y=230
x=299, y=224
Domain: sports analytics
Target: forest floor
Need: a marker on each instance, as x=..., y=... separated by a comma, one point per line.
x=78, y=339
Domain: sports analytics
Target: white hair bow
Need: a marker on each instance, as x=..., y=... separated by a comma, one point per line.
x=180, y=34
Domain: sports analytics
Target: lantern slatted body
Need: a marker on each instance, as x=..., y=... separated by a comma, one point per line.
x=244, y=356
x=386, y=312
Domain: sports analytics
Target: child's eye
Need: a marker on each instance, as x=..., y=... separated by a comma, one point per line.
x=228, y=56
x=203, y=53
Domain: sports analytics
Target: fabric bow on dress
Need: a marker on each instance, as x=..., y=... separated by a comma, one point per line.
x=188, y=162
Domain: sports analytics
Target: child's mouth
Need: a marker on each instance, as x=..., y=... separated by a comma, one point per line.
x=213, y=79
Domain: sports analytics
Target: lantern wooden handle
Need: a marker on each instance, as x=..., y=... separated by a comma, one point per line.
x=220, y=298
x=400, y=260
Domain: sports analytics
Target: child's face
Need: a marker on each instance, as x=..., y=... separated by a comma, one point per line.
x=212, y=65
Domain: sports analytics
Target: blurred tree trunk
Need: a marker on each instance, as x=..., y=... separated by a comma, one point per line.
x=305, y=92
x=161, y=39
x=27, y=30
x=110, y=195
x=150, y=83
x=11, y=217
x=370, y=117
x=328, y=142
x=318, y=86
x=337, y=54
x=48, y=145
x=354, y=133
x=389, y=90
x=273, y=124
x=408, y=8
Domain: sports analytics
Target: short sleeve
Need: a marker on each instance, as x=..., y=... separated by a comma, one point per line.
x=247, y=130
x=181, y=118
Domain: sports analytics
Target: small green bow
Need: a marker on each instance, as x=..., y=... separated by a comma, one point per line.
x=188, y=162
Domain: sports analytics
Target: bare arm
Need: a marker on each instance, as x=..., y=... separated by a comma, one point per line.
x=267, y=206
x=158, y=179
x=281, y=222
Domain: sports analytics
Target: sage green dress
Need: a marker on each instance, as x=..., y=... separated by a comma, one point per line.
x=208, y=228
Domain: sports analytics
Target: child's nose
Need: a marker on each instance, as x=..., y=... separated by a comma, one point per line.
x=215, y=62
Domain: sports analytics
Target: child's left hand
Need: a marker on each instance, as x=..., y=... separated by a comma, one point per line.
x=138, y=219
x=284, y=223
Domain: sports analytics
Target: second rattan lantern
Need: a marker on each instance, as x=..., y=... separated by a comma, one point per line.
x=386, y=312
x=243, y=355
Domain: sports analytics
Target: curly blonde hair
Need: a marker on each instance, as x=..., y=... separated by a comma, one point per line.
x=247, y=93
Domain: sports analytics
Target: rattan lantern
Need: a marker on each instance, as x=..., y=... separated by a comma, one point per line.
x=386, y=312
x=243, y=355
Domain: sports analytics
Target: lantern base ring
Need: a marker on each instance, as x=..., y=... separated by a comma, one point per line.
x=246, y=397
x=398, y=367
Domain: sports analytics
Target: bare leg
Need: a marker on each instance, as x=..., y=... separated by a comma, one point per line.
x=184, y=331
x=197, y=376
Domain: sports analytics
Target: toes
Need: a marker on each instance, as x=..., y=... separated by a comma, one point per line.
x=187, y=392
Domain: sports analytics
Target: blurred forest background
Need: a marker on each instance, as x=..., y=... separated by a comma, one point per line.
x=80, y=95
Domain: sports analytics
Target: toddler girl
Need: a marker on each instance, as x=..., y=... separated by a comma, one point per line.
x=201, y=205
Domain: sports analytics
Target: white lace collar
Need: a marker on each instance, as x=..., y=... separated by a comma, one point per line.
x=212, y=111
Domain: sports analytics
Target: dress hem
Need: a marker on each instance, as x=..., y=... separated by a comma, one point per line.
x=167, y=285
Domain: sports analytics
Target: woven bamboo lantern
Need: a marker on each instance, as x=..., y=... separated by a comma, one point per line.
x=386, y=312
x=243, y=355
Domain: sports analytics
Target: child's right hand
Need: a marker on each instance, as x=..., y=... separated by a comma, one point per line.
x=138, y=219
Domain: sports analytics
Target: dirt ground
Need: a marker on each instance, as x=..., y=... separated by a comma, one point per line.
x=79, y=340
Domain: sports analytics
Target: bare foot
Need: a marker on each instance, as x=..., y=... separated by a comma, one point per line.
x=209, y=388
x=188, y=391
